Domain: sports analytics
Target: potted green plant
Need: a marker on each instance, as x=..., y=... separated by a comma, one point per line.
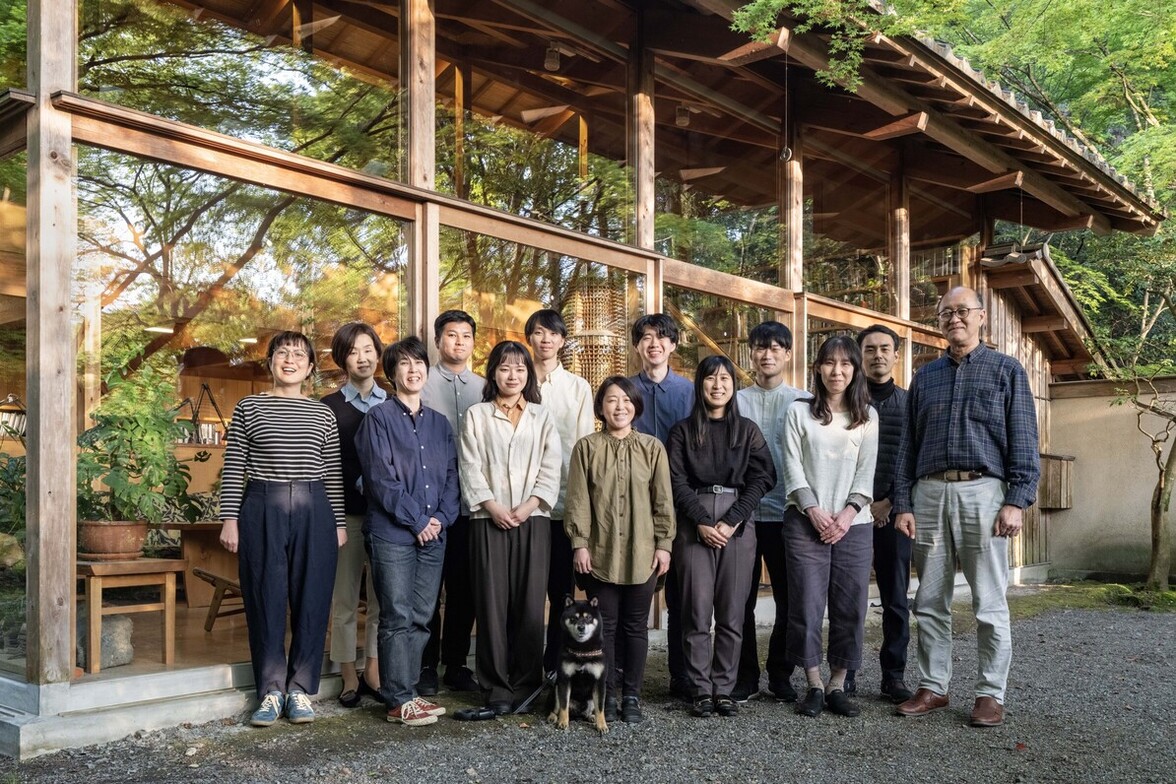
x=129, y=475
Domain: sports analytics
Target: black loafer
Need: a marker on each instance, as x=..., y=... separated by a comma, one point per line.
x=813, y=704
x=484, y=713
x=782, y=690
x=726, y=706
x=364, y=689
x=349, y=698
x=461, y=679
x=610, y=709
x=631, y=710
x=840, y=703
x=703, y=707
x=896, y=691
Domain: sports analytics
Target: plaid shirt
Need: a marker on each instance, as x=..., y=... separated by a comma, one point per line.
x=975, y=414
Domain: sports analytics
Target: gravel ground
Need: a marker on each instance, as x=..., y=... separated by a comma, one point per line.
x=1090, y=699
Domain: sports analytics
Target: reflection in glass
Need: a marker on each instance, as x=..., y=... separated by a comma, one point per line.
x=933, y=272
x=13, y=399
x=500, y=283
x=322, y=86
x=710, y=324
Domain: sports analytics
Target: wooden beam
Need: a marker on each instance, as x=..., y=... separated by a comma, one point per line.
x=904, y=126
x=14, y=106
x=1035, y=324
x=641, y=136
x=1002, y=183
x=50, y=253
x=1070, y=367
x=1009, y=280
x=418, y=78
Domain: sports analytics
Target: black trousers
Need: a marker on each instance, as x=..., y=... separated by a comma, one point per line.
x=560, y=583
x=510, y=570
x=770, y=550
x=449, y=640
x=625, y=612
x=892, y=570
x=286, y=554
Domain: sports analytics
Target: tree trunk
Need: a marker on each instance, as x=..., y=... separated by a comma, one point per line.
x=1161, y=539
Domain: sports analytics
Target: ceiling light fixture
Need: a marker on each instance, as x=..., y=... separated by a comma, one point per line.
x=551, y=59
x=682, y=116
x=162, y=330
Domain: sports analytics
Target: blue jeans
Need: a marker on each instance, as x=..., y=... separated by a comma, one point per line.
x=406, y=578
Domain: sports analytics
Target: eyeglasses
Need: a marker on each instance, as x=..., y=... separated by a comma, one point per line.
x=295, y=354
x=947, y=314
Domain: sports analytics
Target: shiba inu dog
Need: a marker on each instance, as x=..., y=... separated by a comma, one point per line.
x=580, y=677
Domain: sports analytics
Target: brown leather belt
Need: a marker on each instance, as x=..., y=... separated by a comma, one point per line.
x=956, y=476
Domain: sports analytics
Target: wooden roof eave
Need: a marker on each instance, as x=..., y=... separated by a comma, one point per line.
x=14, y=105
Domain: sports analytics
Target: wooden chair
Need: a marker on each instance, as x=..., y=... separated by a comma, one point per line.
x=223, y=588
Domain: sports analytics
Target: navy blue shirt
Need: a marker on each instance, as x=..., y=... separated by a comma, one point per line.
x=409, y=464
x=974, y=414
x=666, y=403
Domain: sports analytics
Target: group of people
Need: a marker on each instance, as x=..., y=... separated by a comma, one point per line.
x=500, y=491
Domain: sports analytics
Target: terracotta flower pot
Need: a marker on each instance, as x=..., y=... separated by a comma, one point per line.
x=105, y=540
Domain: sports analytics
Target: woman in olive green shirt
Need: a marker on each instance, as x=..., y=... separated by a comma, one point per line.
x=620, y=519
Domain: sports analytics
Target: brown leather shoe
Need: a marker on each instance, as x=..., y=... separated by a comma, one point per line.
x=987, y=712
x=922, y=703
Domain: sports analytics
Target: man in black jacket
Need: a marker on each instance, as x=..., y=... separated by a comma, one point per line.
x=892, y=550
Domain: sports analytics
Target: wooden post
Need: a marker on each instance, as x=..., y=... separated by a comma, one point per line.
x=418, y=78
x=900, y=255
x=425, y=273
x=641, y=124
x=583, y=147
x=51, y=534
x=460, y=101
x=792, y=270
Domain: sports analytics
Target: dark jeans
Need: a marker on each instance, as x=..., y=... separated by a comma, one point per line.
x=560, y=584
x=625, y=612
x=769, y=545
x=820, y=575
x=406, y=578
x=449, y=640
x=286, y=556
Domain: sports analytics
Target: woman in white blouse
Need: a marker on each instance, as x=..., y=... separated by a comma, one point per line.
x=509, y=461
x=830, y=446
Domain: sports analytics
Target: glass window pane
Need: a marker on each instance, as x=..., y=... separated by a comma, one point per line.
x=933, y=272
x=318, y=79
x=500, y=283
x=13, y=395
x=711, y=324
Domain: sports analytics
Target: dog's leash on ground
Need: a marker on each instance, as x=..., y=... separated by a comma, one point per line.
x=525, y=705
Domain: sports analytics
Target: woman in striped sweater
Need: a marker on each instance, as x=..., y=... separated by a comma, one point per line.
x=281, y=508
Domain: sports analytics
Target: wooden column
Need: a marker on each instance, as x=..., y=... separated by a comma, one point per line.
x=582, y=150
x=418, y=79
x=462, y=82
x=640, y=142
x=50, y=542
x=900, y=254
x=792, y=269
x=425, y=278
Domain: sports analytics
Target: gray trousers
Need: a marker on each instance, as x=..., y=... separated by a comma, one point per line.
x=715, y=584
x=956, y=520
x=509, y=576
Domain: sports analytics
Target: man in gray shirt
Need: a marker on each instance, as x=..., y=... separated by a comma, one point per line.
x=767, y=404
x=451, y=389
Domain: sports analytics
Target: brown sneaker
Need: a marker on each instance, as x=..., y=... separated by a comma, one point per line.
x=922, y=703
x=408, y=713
x=430, y=708
x=987, y=712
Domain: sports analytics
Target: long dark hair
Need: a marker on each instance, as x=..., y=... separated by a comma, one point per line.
x=498, y=355
x=699, y=416
x=857, y=395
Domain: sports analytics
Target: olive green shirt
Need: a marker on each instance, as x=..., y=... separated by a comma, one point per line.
x=620, y=505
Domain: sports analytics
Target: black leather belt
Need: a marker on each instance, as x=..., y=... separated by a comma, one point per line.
x=717, y=490
x=956, y=476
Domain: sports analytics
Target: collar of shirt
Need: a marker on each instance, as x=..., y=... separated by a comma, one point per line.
x=975, y=354
x=553, y=374
x=513, y=412
x=647, y=381
x=375, y=398
x=405, y=409
x=465, y=376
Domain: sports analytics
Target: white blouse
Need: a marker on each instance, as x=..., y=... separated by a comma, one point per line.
x=500, y=462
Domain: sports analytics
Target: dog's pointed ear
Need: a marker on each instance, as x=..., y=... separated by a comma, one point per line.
x=593, y=602
x=568, y=600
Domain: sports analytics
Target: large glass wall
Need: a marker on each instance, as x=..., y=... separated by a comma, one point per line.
x=12, y=414
x=843, y=267
x=933, y=272
x=13, y=45
x=501, y=283
x=712, y=324
x=317, y=79
x=182, y=277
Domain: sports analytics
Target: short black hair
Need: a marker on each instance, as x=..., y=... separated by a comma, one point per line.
x=411, y=347
x=663, y=325
x=626, y=386
x=290, y=338
x=548, y=319
x=765, y=334
x=450, y=316
x=498, y=354
x=345, y=337
x=885, y=330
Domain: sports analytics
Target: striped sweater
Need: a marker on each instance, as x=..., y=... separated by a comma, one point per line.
x=281, y=439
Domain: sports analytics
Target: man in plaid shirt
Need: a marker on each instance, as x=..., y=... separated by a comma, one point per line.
x=967, y=468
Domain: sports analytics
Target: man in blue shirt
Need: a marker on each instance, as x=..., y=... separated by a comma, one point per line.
x=668, y=398
x=968, y=465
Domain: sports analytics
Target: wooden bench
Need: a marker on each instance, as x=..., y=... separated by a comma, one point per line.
x=222, y=588
x=141, y=572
